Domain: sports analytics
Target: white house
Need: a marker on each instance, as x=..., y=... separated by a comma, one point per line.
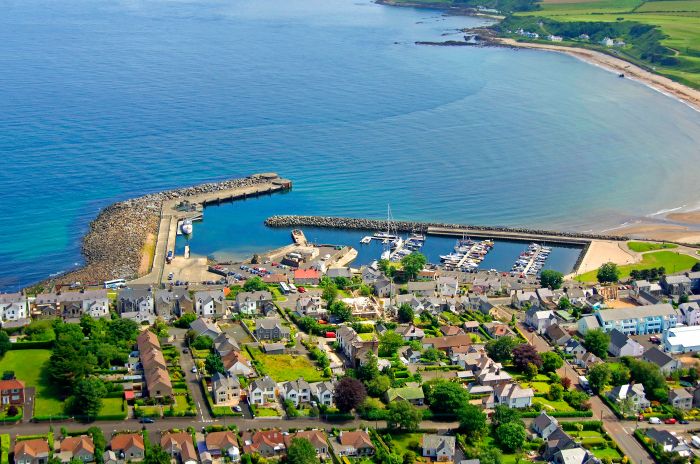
x=210, y=303
x=622, y=345
x=13, y=307
x=440, y=448
x=297, y=391
x=512, y=395
x=262, y=391
x=538, y=319
x=323, y=392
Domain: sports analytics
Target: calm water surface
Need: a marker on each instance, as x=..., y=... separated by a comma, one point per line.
x=103, y=100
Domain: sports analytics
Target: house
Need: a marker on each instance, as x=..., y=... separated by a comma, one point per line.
x=586, y=360
x=155, y=369
x=446, y=343
x=447, y=286
x=128, y=447
x=471, y=326
x=522, y=299
x=410, y=332
x=270, y=328
x=574, y=347
x=297, y=391
x=587, y=323
x=179, y=445
x=490, y=373
x=682, y=339
x=644, y=286
x=34, y=451
x=275, y=279
x=676, y=284
x=668, y=441
x=355, y=347
x=423, y=288
x=273, y=348
x=317, y=438
x=306, y=277
x=205, y=327
x=224, y=344
x=11, y=392
x=222, y=443
x=575, y=455
x=632, y=392
x=440, y=448
x=690, y=313
x=136, y=304
x=236, y=364
x=409, y=356
x=639, y=320
x=311, y=306
x=694, y=281
x=498, y=329
x=173, y=302
x=556, y=442
x=225, y=390
x=539, y=319
x=667, y=363
x=544, y=425
x=622, y=345
x=413, y=395
x=334, y=272
x=680, y=398
x=356, y=443
x=210, y=303
x=557, y=335
x=13, y=308
x=450, y=330
x=253, y=302
x=383, y=287
x=266, y=443
x=478, y=303
x=80, y=448
x=323, y=392
x=262, y=391
x=512, y=395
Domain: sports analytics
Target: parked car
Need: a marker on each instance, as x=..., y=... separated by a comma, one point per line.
x=301, y=289
x=194, y=370
x=683, y=422
x=654, y=420
x=237, y=408
x=670, y=421
x=146, y=420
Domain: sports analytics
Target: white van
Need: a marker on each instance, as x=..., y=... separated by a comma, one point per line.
x=696, y=441
x=654, y=420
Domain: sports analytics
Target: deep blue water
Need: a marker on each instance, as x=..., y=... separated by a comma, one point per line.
x=102, y=100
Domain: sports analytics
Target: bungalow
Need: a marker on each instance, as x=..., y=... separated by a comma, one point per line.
x=266, y=443
x=128, y=447
x=11, y=392
x=446, y=343
x=205, y=327
x=557, y=335
x=440, y=448
x=262, y=391
x=180, y=445
x=410, y=332
x=317, y=438
x=669, y=441
x=574, y=455
x=633, y=392
x=220, y=443
x=422, y=288
x=586, y=360
x=574, y=347
x=210, y=303
x=306, y=277
x=450, y=330
x=79, y=448
x=408, y=355
x=225, y=390
x=270, y=328
x=471, y=326
x=297, y=391
x=224, y=344
x=413, y=395
x=323, y=392
x=667, y=363
x=34, y=451
x=356, y=443
x=253, y=302
x=680, y=398
x=498, y=329
x=622, y=345
x=544, y=425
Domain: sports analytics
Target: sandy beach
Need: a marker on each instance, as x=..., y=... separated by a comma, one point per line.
x=604, y=251
x=660, y=231
x=662, y=84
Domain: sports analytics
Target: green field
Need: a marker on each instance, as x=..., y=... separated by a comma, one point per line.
x=561, y=405
x=672, y=261
x=29, y=366
x=112, y=407
x=641, y=247
x=285, y=367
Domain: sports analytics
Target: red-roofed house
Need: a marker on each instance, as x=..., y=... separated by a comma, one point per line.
x=11, y=392
x=307, y=277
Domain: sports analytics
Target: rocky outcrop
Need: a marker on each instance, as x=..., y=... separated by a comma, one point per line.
x=408, y=226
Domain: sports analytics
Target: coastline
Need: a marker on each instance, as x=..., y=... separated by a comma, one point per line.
x=664, y=85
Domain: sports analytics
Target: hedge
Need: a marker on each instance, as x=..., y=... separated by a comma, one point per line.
x=615, y=409
x=5, y=448
x=57, y=417
x=592, y=425
x=217, y=411
x=32, y=345
x=529, y=414
x=339, y=417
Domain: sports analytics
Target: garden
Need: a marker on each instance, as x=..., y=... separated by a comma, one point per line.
x=30, y=366
x=286, y=367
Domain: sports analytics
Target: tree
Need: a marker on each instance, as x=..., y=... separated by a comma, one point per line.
x=5, y=344
x=340, y=310
x=369, y=370
x=551, y=361
x=155, y=454
x=472, y=421
x=185, y=320
x=402, y=415
x=342, y=282
x=511, y=436
x=389, y=343
x=551, y=279
x=565, y=382
x=556, y=391
x=378, y=386
x=447, y=397
x=349, y=393
x=431, y=355
x=301, y=451
x=596, y=341
x=202, y=343
x=650, y=376
x=385, y=266
x=530, y=371
x=599, y=377
x=608, y=273
x=214, y=364
x=405, y=313
x=526, y=354
x=412, y=264
x=254, y=284
x=87, y=397
x=490, y=456
x=503, y=414
x=98, y=439
x=620, y=375
x=696, y=267
x=577, y=399
x=564, y=303
x=501, y=349
x=330, y=293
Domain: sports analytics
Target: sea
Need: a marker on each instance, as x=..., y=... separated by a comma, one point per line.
x=103, y=100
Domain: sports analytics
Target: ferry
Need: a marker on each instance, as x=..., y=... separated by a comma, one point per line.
x=186, y=226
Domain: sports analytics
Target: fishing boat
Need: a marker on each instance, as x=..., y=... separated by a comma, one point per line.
x=186, y=226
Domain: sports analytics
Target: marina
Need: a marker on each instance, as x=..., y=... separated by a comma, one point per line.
x=467, y=254
x=532, y=260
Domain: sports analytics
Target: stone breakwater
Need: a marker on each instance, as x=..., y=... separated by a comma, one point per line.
x=408, y=226
x=114, y=243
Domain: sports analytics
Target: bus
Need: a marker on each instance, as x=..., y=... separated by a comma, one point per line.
x=284, y=288
x=116, y=283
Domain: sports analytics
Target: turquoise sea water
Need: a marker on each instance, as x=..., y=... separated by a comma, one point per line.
x=103, y=100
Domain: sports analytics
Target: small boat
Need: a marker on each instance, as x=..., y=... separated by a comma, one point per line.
x=186, y=226
x=366, y=240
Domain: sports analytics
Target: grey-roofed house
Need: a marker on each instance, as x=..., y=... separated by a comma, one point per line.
x=297, y=391
x=339, y=272
x=587, y=323
x=557, y=335
x=225, y=390
x=205, y=327
x=521, y=299
x=668, y=441
x=639, y=320
x=574, y=347
x=676, y=284
x=210, y=303
x=253, y=302
x=383, y=287
x=173, y=303
x=680, y=398
x=136, y=304
x=586, y=360
x=544, y=425
x=262, y=391
x=622, y=345
x=448, y=286
x=422, y=288
x=634, y=392
x=694, y=281
x=410, y=332
x=667, y=363
x=558, y=441
x=224, y=344
x=270, y=328
x=479, y=303
x=323, y=392
x=440, y=448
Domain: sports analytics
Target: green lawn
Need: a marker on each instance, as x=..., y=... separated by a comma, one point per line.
x=539, y=387
x=401, y=442
x=366, y=336
x=112, y=407
x=641, y=247
x=672, y=261
x=285, y=367
x=266, y=412
x=607, y=453
x=181, y=405
x=30, y=367
x=561, y=405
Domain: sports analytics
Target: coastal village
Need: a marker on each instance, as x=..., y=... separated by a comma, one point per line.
x=297, y=355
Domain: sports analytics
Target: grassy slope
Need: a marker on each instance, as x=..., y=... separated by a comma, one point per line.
x=641, y=247
x=673, y=262
x=29, y=366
